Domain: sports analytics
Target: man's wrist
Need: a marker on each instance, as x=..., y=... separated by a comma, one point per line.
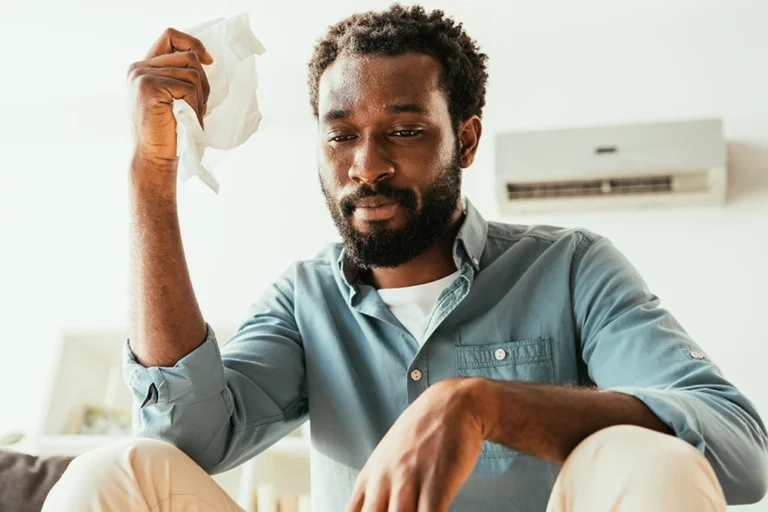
x=480, y=403
x=156, y=173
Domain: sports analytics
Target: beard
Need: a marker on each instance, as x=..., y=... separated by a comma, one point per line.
x=382, y=247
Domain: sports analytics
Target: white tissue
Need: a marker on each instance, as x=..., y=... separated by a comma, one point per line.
x=233, y=111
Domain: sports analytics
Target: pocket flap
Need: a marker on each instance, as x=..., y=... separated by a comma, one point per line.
x=503, y=354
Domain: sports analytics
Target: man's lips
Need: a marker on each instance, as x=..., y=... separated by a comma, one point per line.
x=371, y=209
x=373, y=202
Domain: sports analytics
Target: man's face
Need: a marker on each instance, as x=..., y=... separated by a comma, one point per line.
x=388, y=156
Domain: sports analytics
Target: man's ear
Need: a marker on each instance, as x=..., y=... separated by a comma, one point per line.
x=469, y=138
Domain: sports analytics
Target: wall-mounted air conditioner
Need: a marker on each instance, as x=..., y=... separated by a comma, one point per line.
x=645, y=165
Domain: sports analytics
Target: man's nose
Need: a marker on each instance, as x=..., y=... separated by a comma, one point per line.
x=371, y=164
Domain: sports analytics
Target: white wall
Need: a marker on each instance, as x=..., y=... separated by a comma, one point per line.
x=553, y=63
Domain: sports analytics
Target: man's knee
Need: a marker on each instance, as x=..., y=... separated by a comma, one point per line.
x=630, y=444
x=128, y=455
x=645, y=462
x=630, y=468
x=117, y=476
x=139, y=475
x=121, y=469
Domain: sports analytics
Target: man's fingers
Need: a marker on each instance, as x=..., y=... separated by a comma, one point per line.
x=173, y=40
x=185, y=75
x=357, y=500
x=403, y=498
x=190, y=75
x=431, y=499
x=167, y=89
x=177, y=60
x=377, y=498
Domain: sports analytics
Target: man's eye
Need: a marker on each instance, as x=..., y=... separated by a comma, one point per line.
x=341, y=138
x=407, y=133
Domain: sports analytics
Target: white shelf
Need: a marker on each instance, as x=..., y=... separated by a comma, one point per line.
x=72, y=445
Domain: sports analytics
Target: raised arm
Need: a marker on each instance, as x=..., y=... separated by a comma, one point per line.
x=166, y=322
x=219, y=405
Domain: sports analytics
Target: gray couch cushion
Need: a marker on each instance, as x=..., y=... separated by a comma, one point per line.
x=25, y=480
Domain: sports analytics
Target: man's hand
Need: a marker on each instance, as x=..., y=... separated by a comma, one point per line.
x=421, y=463
x=171, y=70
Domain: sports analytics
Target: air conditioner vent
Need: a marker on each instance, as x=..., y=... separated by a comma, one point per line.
x=586, y=188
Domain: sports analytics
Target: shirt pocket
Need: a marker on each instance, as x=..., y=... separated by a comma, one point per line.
x=513, y=361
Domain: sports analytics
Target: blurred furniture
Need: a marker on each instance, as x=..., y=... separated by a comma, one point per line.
x=25, y=480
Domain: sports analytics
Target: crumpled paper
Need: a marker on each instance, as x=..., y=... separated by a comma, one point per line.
x=233, y=111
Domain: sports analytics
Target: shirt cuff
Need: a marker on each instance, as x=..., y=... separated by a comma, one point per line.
x=197, y=376
x=674, y=408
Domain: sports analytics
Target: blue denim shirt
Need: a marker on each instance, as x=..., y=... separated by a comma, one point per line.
x=565, y=306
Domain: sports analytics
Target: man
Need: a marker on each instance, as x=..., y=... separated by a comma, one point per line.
x=444, y=361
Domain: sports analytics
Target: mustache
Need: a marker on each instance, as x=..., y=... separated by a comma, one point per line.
x=404, y=196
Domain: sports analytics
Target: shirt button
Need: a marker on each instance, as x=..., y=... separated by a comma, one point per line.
x=500, y=354
x=416, y=375
x=697, y=355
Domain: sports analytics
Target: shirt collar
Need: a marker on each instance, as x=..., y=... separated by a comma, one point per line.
x=470, y=242
x=467, y=248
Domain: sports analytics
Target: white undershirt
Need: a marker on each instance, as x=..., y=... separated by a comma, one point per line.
x=412, y=305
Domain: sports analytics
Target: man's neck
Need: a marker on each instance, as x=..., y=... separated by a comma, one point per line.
x=433, y=264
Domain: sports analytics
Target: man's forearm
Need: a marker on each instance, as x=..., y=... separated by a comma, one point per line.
x=165, y=319
x=549, y=421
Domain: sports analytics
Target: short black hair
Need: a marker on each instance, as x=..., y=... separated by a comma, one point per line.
x=400, y=30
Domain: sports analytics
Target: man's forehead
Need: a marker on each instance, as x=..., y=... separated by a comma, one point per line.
x=407, y=79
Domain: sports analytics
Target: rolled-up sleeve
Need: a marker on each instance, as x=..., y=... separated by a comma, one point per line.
x=196, y=377
x=633, y=346
x=223, y=405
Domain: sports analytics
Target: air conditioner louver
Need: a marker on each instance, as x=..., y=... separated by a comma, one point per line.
x=609, y=187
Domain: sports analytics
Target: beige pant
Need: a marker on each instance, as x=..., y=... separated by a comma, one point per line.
x=619, y=469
